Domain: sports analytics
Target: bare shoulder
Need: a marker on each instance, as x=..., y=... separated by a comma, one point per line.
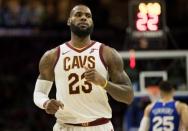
x=148, y=109
x=113, y=58
x=115, y=66
x=181, y=106
x=49, y=56
x=47, y=63
x=110, y=53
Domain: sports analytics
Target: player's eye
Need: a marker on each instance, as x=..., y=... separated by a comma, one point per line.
x=78, y=14
x=88, y=15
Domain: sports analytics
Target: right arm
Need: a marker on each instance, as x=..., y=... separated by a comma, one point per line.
x=44, y=83
x=144, y=124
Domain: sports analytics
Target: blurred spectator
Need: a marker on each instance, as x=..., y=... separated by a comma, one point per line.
x=63, y=9
x=143, y=43
x=118, y=13
x=100, y=12
x=1, y=12
x=35, y=12
x=181, y=12
x=50, y=14
x=14, y=15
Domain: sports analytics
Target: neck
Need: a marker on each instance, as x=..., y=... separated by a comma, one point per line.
x=79, y=42
x=166, y=97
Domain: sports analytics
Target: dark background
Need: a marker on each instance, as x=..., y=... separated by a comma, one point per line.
x=28, y=28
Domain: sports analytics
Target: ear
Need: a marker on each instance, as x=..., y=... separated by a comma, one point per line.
x=68, y=22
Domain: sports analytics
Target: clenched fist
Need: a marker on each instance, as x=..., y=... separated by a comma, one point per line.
x=51, y=106
x=93, y=76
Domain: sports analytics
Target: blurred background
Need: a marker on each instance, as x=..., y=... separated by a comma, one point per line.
x=151, y=36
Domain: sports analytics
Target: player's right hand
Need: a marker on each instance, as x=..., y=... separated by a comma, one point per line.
x=51, y=106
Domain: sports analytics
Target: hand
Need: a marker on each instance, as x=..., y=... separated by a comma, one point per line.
x=93, y=76
x=51, y=106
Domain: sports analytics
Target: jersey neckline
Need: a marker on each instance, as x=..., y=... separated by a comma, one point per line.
x=79, y=50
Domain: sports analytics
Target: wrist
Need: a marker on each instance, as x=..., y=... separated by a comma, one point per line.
x=105, y=83
x=45, y=103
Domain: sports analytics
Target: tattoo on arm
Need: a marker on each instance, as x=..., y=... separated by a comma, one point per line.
x=46, y=65
x=120, y=88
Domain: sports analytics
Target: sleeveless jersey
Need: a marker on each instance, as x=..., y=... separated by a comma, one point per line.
x=83, y=101
x=164, y=117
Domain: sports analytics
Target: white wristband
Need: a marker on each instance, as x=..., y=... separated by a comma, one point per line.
x=41, y=92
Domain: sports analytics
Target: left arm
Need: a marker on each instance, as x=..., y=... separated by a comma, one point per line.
x=120, y=88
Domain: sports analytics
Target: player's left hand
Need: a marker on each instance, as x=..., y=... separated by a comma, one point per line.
x=93, y=76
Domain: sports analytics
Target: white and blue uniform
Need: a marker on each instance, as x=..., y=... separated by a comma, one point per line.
x=164, y=117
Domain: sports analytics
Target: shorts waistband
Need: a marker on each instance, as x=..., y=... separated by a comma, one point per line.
x=96, y=122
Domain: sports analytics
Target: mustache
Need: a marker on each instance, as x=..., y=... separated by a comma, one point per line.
x=81, y=32
x=82, y=23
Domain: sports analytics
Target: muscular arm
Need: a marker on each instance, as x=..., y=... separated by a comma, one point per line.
x=120, y=88
x=45, y=79
x=46, y=65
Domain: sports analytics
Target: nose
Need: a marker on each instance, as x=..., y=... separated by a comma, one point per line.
x=83, y=18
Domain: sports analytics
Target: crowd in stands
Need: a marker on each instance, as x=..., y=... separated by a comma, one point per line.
x=52, y=14
x=32, y=13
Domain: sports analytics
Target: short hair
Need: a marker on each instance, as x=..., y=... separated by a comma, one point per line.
x=76, y=6
x=166, y=86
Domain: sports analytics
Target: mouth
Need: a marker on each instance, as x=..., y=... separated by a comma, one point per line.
x=83, y=25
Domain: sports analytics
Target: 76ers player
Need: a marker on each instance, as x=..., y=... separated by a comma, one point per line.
x=81, y=68
x=165, y=114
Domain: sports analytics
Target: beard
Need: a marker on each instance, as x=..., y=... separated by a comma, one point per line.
x=81, y=32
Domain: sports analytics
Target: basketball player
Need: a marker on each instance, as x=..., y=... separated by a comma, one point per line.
x=166, y=114
x=80, y=68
